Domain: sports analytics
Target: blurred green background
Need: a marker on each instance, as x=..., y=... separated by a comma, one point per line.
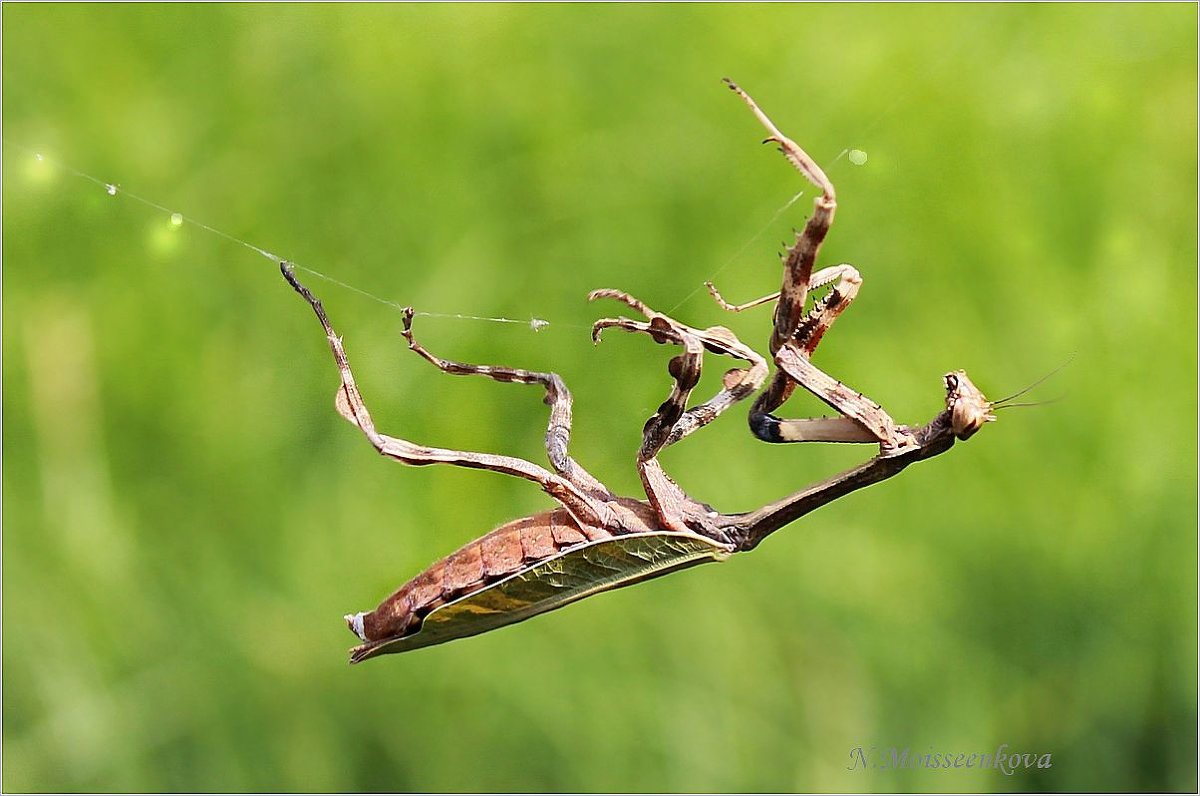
x=186, y=519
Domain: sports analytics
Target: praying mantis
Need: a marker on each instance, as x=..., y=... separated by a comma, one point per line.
x=594, y=540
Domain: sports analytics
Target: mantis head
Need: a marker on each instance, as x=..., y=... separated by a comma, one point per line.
x=968, y=409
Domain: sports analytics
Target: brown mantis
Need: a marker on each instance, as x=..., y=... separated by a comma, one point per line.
x=596, y=540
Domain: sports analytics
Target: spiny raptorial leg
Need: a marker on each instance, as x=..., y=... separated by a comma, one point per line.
x=863, y=420
x=796, y=335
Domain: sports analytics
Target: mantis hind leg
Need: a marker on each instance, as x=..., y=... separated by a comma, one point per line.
x=558, y=398
x=584, y=507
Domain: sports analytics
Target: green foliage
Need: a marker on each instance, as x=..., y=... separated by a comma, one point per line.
x=186, y=519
